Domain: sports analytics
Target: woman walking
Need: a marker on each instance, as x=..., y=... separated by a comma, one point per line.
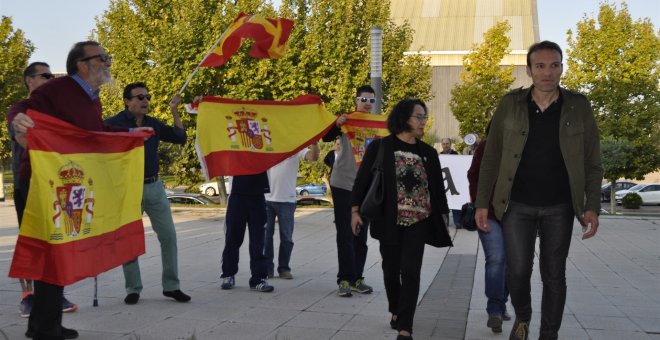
x=415, y=207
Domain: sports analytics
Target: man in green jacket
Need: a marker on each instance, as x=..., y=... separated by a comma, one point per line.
x=542, y=166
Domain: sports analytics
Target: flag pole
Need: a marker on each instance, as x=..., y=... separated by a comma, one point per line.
x=215, y=44
x=95, y=303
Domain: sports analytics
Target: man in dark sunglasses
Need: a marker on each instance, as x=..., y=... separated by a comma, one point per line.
x=73, y=98
x=154, y=199
x=35, y=75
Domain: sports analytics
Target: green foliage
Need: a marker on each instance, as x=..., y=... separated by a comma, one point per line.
x=631, y=201
x=16, y=51
x=483, y=81
x=327, y=54
x=614, y=61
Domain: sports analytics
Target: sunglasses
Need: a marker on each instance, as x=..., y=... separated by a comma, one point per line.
x=364, y=100
x=142, y=96
x=102, y=57
x=46, y=75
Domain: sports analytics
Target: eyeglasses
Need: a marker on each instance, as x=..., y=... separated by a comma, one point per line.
x=421, y=118
x=45, y=75
x=364, y=99
x=102, y=57
x=142, y=96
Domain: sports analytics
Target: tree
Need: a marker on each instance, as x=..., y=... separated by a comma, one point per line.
x=483, y=81
x=327, y=55
x=16, y=51
x=616, y=63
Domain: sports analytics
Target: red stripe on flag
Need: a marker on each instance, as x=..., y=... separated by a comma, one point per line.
x=54, y=129
x=367, y=123
x=301, y=100
x=67, y=263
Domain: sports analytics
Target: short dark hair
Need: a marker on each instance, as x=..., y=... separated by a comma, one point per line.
x=397, y=121
x=364, y=89
x=31, y=70
x=129, y=88
x=76, y=53
x=543, y=45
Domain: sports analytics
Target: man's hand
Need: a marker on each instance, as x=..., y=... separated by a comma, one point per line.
x=341, y=120
x=481, y=218
x=144, y=129
x=175, y=102
x=589, y=224
x=21, y=123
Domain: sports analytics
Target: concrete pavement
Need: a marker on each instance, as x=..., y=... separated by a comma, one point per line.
x=613, y=289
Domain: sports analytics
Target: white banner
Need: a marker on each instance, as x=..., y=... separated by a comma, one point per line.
x=454, y=173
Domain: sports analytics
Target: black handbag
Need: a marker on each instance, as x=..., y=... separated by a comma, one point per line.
x=373, y=202
x=467, y=216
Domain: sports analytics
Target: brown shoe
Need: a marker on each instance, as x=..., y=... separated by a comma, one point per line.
x=520, y=330
x=286, y=275
x=495, y=323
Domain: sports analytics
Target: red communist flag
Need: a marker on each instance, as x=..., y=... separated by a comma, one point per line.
x=269, y=35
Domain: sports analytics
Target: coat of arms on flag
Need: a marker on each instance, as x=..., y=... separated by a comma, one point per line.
x=73, y=200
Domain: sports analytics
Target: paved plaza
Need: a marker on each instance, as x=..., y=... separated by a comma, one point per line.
x=613, y=288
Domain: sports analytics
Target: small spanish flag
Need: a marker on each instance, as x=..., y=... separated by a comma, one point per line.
x=361, y=128
x=83, y=214
x=269, y=35
x=236, y=137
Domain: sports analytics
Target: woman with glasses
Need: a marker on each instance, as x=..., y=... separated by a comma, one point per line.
x=415, y=207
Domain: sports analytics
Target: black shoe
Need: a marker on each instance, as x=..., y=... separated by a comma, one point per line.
x=404, y=337
x=393, y=323
x=177, y=295
x=67, y=333
x=495, y=323
x=132, y=298
x=506, y=316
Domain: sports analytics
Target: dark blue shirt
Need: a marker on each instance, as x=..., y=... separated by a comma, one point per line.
x=166, y=133
x=250, y=184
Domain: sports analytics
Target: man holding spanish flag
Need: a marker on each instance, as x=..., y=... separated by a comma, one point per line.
x=73, y=99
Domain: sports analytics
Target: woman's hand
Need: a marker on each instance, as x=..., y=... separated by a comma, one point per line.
x=356, y=222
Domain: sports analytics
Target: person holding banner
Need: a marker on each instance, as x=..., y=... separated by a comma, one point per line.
x=415, y=210
x=74, y=99
x=351, y=249
x=447, y=150
x=154, y=199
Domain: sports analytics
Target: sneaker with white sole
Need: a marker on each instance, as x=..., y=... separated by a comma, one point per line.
x=26, y=306
x=263, y=287
x=344, y=289
x=68, y=306
x=228, y=282
x=361, y=287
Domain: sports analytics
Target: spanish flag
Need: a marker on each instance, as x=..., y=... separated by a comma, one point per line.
x=361, y=128
x=236, y=137
x=269, y=35
x=83, y=213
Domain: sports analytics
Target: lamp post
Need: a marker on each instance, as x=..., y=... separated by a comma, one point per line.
x=377, y=66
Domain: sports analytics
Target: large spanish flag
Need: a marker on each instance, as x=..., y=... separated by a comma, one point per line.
x=361, y=128
x=236, y=137
x=269, y=35
x=83, y=213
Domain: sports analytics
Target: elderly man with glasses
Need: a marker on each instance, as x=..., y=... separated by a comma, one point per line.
x=74, y=99
x=154, y=199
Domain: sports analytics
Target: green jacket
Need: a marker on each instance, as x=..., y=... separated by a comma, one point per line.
x=578, y=140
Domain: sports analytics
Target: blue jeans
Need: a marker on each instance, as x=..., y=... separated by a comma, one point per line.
x=284, y=213
x=554, y=225
x=458, y=219
x=495, y=278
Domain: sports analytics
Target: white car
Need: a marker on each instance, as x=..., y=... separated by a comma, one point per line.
x=650, y=193
x=211, y=188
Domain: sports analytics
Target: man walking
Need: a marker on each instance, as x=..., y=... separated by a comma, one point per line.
x=154, y=199
x=447, y=150
x=542, y=165
x=281, y=203
x=351, y=249
x=35, y=75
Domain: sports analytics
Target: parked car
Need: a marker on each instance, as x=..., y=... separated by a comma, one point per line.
x=190, y=199
x=308, y=200
x=311, y=189
x=605, y=189
x=650, y=193
x=211, y=188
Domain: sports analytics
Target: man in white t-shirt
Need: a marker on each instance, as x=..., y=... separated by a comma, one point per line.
x=281, y=203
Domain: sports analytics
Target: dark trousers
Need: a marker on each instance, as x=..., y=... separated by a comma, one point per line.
x=46, y=316
x=402, y=264
x=20, y=197
x=351, y=249
x=554, y=225
x=242, y=210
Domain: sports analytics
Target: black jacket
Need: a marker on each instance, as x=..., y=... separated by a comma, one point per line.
x=385, y=229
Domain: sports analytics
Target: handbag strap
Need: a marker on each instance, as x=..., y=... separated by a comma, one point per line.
x=378, y=162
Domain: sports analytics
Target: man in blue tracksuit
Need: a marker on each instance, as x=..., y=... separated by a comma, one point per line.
x=246, y=205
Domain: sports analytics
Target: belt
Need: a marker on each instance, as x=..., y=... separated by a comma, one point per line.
x=148, y=180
